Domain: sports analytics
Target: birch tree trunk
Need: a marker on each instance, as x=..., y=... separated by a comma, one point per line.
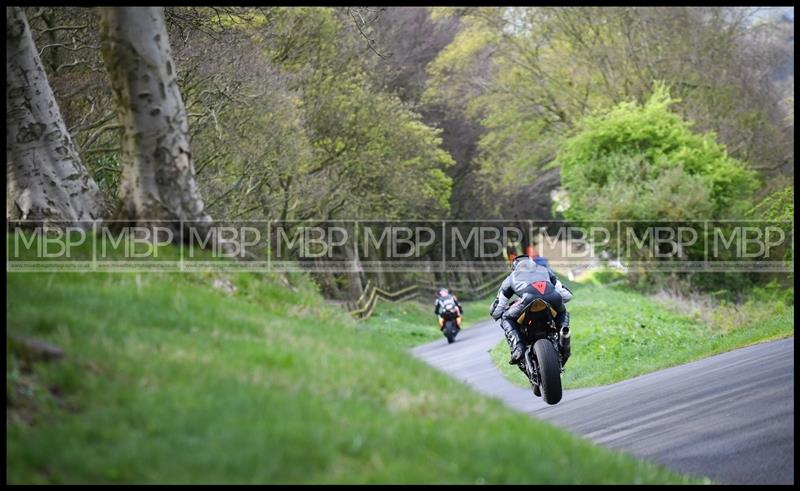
x=46, y=180
x=354, y=277
x=158, y=181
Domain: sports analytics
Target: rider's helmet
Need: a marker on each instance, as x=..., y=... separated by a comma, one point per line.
x=522, y=258
x=443, y=292
x=524, y=263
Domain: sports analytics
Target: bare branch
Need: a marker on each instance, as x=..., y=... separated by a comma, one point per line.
x=96, y=134
x=71, y=65
x=83, y=121
x=67, y=47
x=110, y=149
x=355, y=11
x=63, y=28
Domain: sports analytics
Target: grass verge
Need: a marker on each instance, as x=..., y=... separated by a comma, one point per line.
x=166, y=378
x=407, y=324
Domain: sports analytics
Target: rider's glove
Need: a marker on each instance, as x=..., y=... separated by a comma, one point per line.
x=497, y=312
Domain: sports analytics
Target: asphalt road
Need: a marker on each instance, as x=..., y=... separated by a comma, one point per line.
x=729, y=417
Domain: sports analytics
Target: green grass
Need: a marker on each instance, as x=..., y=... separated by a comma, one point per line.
x=166, y=379
x=411, y=323
x=618, y=334
x=478, y=310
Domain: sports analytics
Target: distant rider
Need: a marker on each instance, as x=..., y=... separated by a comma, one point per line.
x=529, y=281
x=443, y=299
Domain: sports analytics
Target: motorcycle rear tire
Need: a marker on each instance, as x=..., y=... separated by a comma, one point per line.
x=449, y=332
x=549, y=370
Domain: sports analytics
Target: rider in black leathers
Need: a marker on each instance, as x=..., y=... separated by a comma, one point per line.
x=529, y=281
x=444, y=295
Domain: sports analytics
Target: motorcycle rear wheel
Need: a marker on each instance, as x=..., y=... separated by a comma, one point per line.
x=549, y=370
x=449, y=332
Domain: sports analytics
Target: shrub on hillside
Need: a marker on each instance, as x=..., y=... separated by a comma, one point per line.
x=643, y=162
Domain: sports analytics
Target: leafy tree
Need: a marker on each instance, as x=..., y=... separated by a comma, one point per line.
x=530, y=74
x=292, y=120
x=644, y=162
x=778, y=207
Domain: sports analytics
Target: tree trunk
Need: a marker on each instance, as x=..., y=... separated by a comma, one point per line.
x=354, y=278
x=157, y=181
x=46, y=180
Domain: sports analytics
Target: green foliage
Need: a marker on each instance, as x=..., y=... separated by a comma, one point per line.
x=106, y=171
x=413, y=322
x=382, y=160
x=482, y=74
x=772, y=292
x=529, y=75
x=449, y=72
x=600, y=277
x=777, y=206
x=309, y=134
x=644, y=162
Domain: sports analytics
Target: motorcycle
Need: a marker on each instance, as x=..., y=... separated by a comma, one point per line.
x=546, y=348
x=448, y=321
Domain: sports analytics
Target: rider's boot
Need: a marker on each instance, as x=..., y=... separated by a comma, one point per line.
x=514, y=341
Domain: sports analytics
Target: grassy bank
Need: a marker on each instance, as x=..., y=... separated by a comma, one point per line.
x=166, y=378
x=410, y=323
x=619, y=334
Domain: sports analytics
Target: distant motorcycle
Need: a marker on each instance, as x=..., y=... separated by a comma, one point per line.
x=448, y=323
x=546, y=348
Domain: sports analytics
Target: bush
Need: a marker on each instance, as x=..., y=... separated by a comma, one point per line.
x=642, y=162
x=778, y=206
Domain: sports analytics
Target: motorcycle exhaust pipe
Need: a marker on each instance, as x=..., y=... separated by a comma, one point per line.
x=564, y=341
